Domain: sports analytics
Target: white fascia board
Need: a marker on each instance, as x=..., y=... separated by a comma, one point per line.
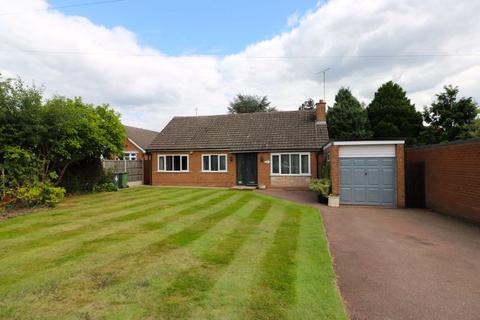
x=136, y=145
x=328, y=145
x=367, y=143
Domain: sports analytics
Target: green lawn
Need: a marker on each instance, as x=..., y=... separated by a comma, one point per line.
x=168, y=253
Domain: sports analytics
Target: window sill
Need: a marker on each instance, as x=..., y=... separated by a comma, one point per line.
x=172, y=171
x=214, y=171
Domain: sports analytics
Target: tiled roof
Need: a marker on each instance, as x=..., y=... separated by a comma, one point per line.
x=281, y=130
x=141, y=137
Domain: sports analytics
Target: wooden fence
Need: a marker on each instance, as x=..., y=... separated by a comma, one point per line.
x=133, y=167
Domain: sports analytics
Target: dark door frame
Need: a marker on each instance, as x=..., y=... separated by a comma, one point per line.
x=250, y=169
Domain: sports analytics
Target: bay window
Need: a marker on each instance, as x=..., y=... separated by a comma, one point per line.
x=214, y=163
x=173, y=163
x=290, y=164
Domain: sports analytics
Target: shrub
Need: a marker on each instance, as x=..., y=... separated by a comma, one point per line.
x=106, y=182
x=105, y=187
x=321, y=186
x=39, y=194
x=22, y=167
x=325, y=171
x=52, y=195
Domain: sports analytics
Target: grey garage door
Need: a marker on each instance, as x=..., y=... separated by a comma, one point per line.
x=369, y=181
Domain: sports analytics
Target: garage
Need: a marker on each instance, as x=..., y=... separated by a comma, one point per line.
x=367, y=172
x=367, y=181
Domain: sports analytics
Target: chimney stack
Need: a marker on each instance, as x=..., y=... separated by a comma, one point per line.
x=320, y=108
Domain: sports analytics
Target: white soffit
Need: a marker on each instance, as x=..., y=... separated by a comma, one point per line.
x=366, y=151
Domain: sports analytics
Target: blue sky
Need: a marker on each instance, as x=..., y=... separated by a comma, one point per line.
x=194, y=27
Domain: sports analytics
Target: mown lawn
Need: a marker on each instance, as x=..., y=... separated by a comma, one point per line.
x=168, y=253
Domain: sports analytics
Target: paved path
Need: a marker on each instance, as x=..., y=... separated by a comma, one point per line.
x=402, y=263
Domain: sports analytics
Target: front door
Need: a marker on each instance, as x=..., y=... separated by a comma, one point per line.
x=247, y=169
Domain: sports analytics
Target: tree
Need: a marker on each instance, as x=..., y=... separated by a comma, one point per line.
x=250, y=103
x=391, y=114
x=476, y=128
x=450, y=118
x=347, y=119
x=309, y=104
x=59, y=132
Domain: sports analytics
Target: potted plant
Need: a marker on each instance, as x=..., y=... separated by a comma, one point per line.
x=333, y=200
x=322, y=188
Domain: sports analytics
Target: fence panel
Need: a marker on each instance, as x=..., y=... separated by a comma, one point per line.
x=133, y=167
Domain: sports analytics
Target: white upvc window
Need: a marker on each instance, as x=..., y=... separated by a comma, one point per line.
x=214, y=163
x=130, y=155
x=172, y=163
x=290, y=164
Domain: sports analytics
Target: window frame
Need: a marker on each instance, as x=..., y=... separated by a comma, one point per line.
x=164, y=156
x=300, y=166
x=209, y=155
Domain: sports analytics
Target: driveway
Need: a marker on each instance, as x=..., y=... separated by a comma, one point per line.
x=402, y=263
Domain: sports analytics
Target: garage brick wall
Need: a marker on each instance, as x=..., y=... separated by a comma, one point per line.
x=400, y=158
x=452, y=177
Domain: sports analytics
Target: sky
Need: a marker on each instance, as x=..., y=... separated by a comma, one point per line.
x=153, y=60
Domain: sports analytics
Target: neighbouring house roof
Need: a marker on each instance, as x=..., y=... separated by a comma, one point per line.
x=281, y=130
x=141, y=137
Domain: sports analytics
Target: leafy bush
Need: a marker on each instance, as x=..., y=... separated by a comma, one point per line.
x=53, y=195
x=325, y=171
x=39, y=194
x=105, y=187
x=321, y=186
x=106, y=182
x=22, y=167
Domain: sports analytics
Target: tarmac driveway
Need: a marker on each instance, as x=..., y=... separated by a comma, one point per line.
x=402, y=263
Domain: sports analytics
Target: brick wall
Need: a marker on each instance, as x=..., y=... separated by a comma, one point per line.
x=452, y=177
x=195, y=176
x=335, y=169
x=400, y=155
x=263, y=159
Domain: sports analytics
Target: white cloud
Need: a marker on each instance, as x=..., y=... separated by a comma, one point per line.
x=73, y=56
x=293, y=19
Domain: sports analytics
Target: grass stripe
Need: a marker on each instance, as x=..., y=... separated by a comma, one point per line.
x=71, y=203
x=143, y=257
x=274, y=293
x=191, y=286
x=315, y=275
x=79, y=251
x=61, y=216
x=93, y=225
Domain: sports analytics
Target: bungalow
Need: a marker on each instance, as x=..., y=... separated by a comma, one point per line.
x=137, y=142
x=267, y=149
x=283, y=149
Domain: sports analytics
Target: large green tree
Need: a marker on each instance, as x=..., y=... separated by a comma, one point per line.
x=244, y=103
x=450, y=118
x=391, y=114
x=309, y=104
x=60, y=131
x=347, y=119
